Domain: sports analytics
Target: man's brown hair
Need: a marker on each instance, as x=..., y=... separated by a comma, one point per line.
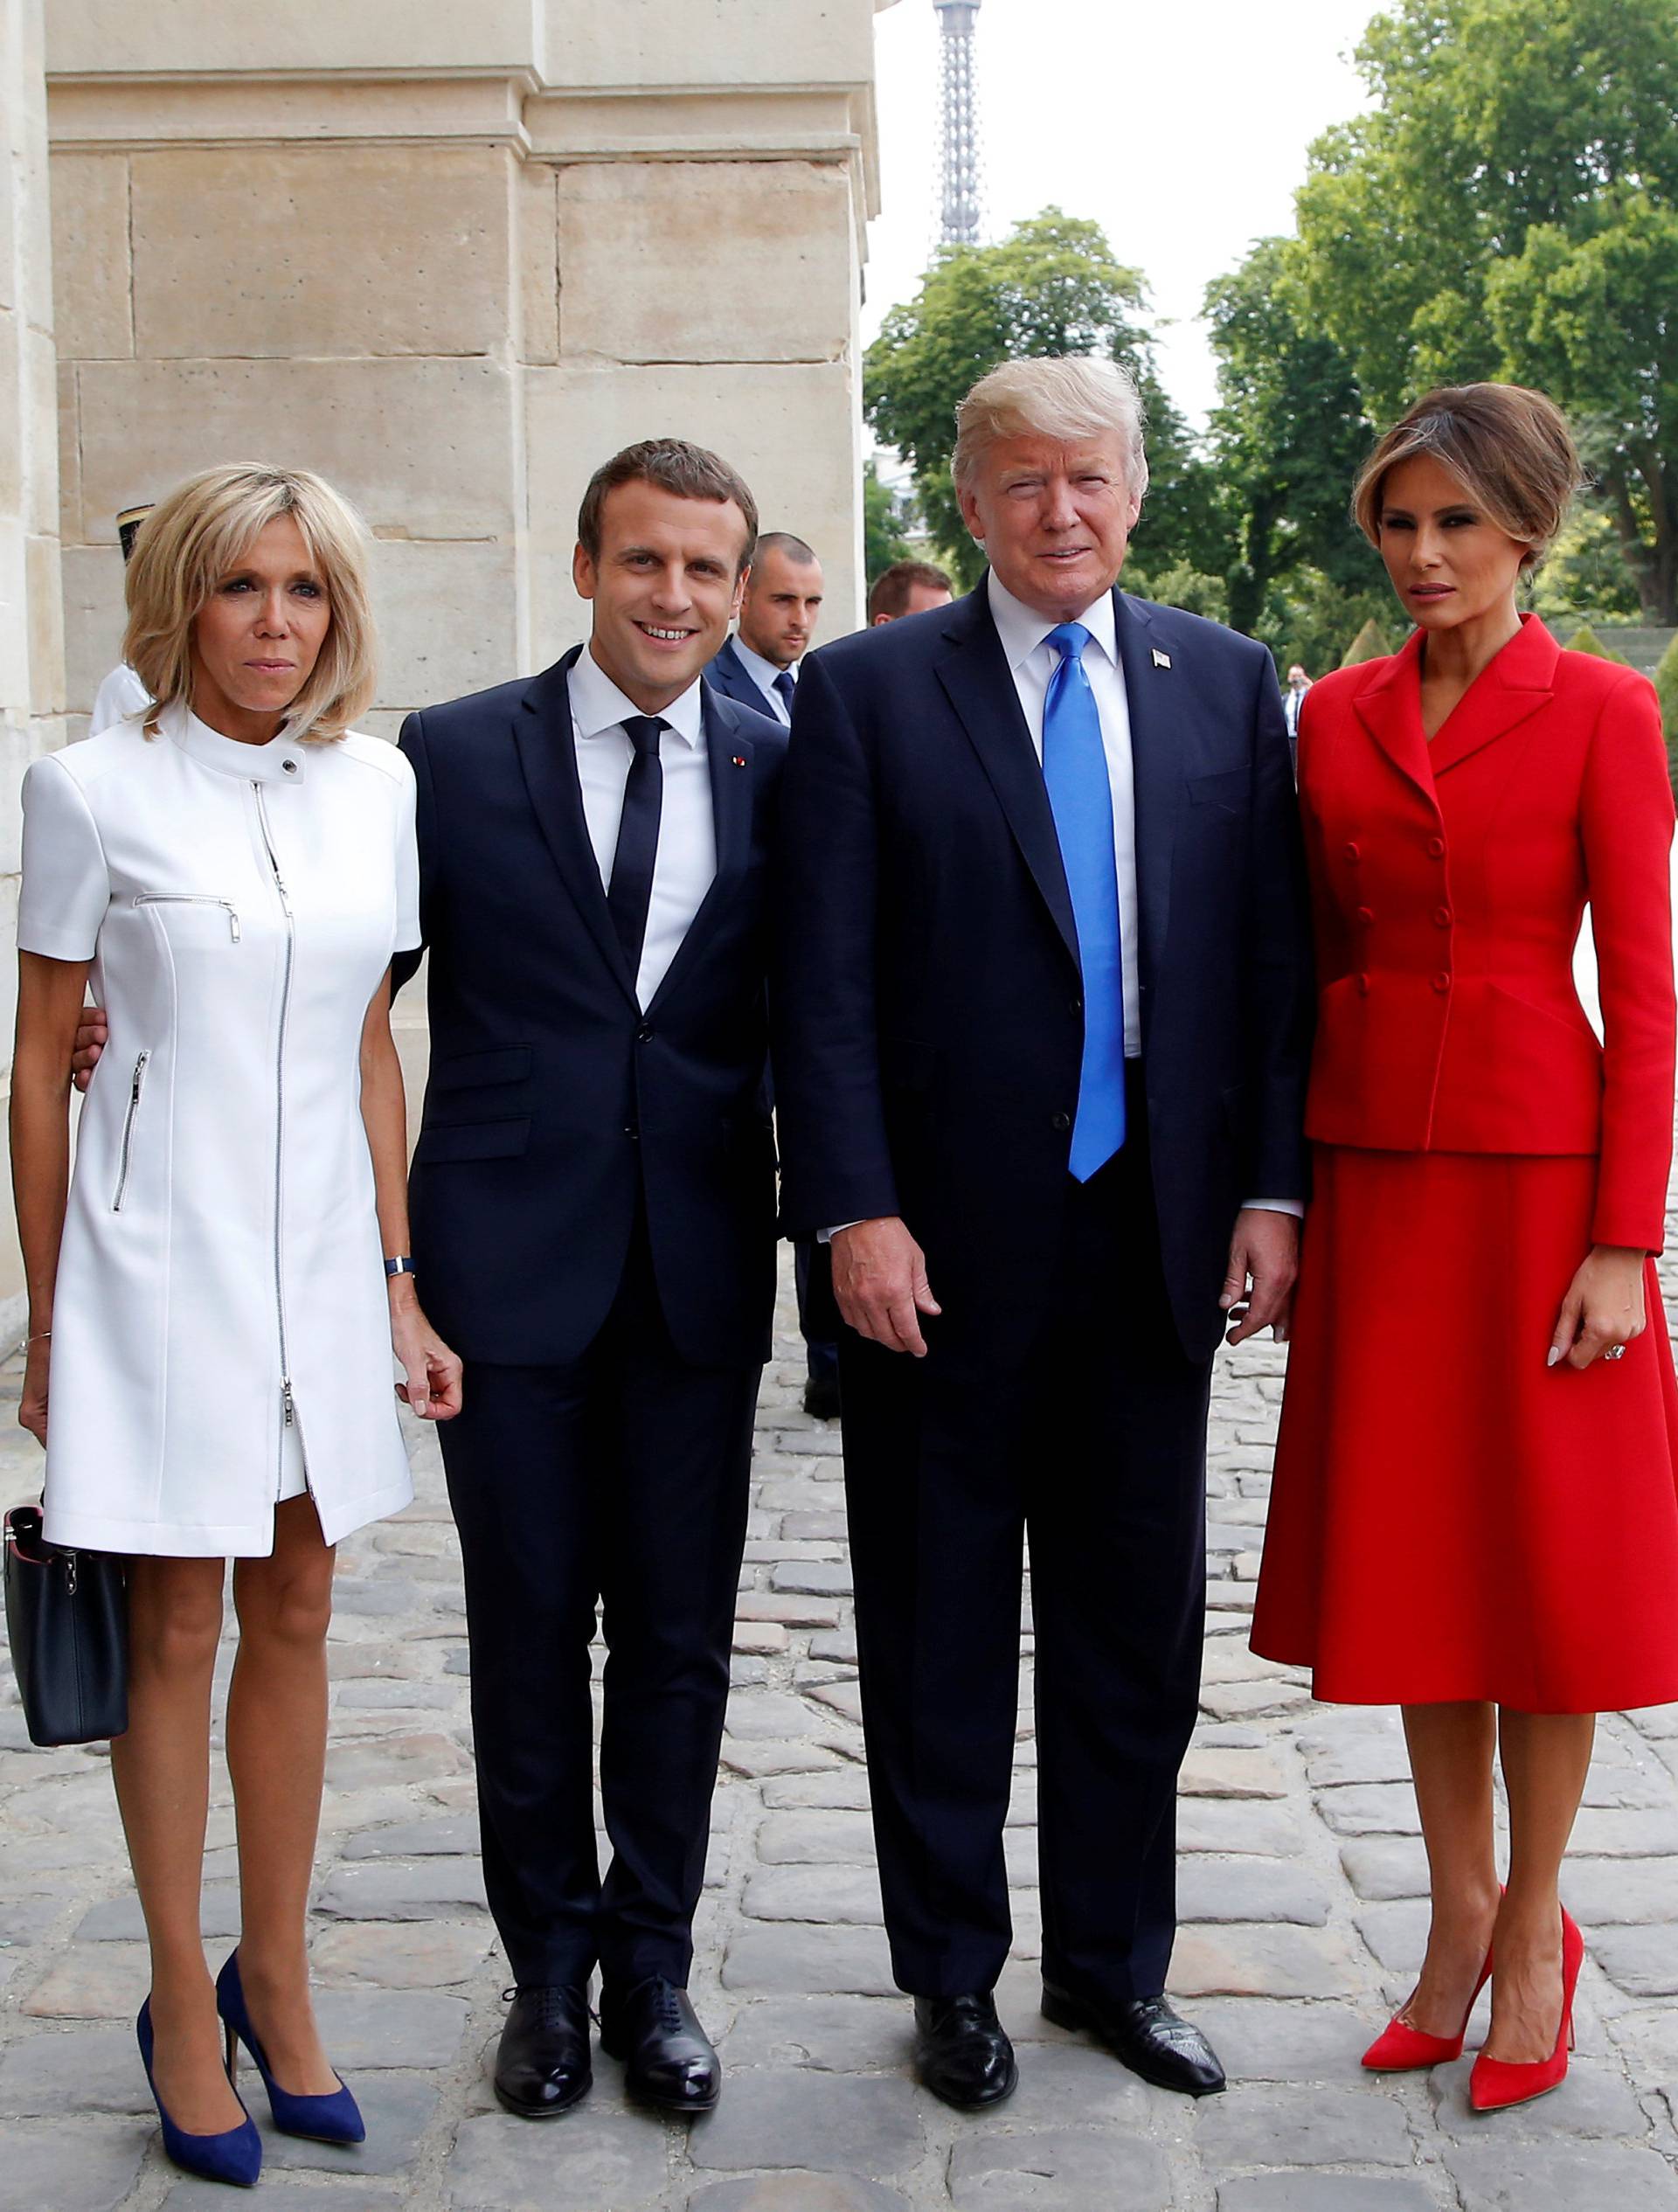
x=892, y=586
x=672, y=465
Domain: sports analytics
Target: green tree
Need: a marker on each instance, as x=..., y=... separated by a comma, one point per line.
x=1506, y=209
x=1666, y=685
x=883, y=523
x=1053, y=286
x=1370, y=644
x=1286, y=438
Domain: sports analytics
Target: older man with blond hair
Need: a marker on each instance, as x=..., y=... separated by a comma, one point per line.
x=1041, y=1044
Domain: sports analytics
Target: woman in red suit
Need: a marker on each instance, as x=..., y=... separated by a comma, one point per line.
x=1475, y=1507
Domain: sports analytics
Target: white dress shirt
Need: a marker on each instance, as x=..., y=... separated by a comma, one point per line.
x=763, y=674
x=686, y=864
x=121, y=694
x=1032, y=663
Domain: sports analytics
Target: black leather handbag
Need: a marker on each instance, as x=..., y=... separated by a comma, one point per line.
x=67, y=1620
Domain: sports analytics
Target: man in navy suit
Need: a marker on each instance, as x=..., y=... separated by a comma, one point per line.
x=1041, y=1035
x=759, y=668
x=594, y=1198
x=780, y=609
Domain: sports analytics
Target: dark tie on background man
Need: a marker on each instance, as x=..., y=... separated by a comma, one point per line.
x=1080, y=797
x=631, y=889
x=787, y=685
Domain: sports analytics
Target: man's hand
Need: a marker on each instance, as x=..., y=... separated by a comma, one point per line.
x=879, y=1279
x=1265, y=1254
x=90, y=1042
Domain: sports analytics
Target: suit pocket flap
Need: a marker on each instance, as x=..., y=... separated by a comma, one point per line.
x=466, y=1070
x=1229, y=789
x=472, y=1141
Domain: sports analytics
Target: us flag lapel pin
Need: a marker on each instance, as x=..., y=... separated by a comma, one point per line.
x=1161, y=660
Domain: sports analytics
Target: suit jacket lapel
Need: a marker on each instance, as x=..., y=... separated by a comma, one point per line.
x=1390, y=708
x=1514, y=684
x=547, y=752
x=1156, y=769
x=979, y=685
x=728, y=756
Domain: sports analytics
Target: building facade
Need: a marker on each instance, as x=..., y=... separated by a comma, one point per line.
x=451, y=257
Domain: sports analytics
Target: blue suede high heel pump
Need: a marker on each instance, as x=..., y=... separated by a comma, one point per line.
x=234, y=2156
x=335, y=2117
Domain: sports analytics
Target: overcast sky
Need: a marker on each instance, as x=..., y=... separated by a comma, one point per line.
x=1181, y=127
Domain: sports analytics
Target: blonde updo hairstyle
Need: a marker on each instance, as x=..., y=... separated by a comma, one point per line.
x=1509, y=448
x=198, y=535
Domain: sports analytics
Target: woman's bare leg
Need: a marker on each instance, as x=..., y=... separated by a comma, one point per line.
x=1451, y=1752
x=276, y=1752
x=1546, y=1760
x=162, y=1770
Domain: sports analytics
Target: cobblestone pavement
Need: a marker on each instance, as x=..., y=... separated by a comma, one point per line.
x=1300, y=1885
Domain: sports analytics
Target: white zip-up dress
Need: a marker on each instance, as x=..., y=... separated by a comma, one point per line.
x=221, y=1326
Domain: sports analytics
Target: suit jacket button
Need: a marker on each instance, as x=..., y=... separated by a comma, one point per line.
x=1060, y=1121
x=1442, y=916
x=1441, y=981
x=644, y=1034
x=1351, y=851
x=1364, y=987
x=1075, y=1006
x=632, y=1130
x=1366, y=915
x=1436, y=848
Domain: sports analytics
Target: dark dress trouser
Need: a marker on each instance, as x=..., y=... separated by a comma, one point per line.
x=621, y=1477
x=1094, y=1443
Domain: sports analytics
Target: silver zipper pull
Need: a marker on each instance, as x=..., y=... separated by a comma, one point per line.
x=70, y=1574
x=285, y=1392
x=232, y=919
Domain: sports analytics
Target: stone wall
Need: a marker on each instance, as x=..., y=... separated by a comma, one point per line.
x=452, y=257
x=31, y=652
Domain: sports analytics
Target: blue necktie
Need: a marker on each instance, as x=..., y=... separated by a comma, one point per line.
x=629, y=894
x=787, y=683
x=1075, y=769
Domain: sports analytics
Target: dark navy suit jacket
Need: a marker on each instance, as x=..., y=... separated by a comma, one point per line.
x=556, y=1110
x=729, y=674
x=928, y=1017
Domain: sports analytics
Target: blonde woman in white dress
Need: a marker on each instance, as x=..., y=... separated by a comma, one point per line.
x=211, y=1328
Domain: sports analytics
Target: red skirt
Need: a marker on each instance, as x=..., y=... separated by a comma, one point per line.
x=1450, y=1518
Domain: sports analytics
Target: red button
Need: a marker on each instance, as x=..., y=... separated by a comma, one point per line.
x=1362, y=986
x=1442, y=916
x=1436, y=847
x=1441, y=981
x=1351, y=851
x=1366, y=915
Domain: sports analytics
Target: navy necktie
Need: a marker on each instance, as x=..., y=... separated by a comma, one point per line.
x=787, y=685
x=1075, y=769
x=631, y=890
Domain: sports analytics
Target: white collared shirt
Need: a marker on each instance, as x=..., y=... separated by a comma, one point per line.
x=686, y=864
x=763, y=674
x=1032, y=662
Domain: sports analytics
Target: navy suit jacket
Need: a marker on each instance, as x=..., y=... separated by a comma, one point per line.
x=928, y=1015
x=729, y=674
x=556, y=1110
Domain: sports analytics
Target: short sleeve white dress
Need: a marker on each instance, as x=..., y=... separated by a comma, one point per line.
x=221, y=1326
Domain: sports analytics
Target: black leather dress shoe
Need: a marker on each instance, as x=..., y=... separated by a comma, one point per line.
x=667, y=2053
x=821, y=1397
x=542, y=2066
x=1145, y=2034
x=961, y=2052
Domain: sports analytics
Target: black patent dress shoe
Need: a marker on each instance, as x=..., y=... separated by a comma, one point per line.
x=543, y=2065
x=1145, y=2034
x=668, y=2056
x=961, y=2052
x=821, y=1397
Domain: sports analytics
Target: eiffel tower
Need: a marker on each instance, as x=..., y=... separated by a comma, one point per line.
x=960, y=213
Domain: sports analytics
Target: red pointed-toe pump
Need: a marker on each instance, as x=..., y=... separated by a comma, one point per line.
x=1495, y=2082
x=1400, y=2048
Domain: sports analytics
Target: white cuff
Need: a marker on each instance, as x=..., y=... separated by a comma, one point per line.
x=1293, y=1206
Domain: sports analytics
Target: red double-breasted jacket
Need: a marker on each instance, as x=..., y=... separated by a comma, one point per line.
x=1448, y=882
